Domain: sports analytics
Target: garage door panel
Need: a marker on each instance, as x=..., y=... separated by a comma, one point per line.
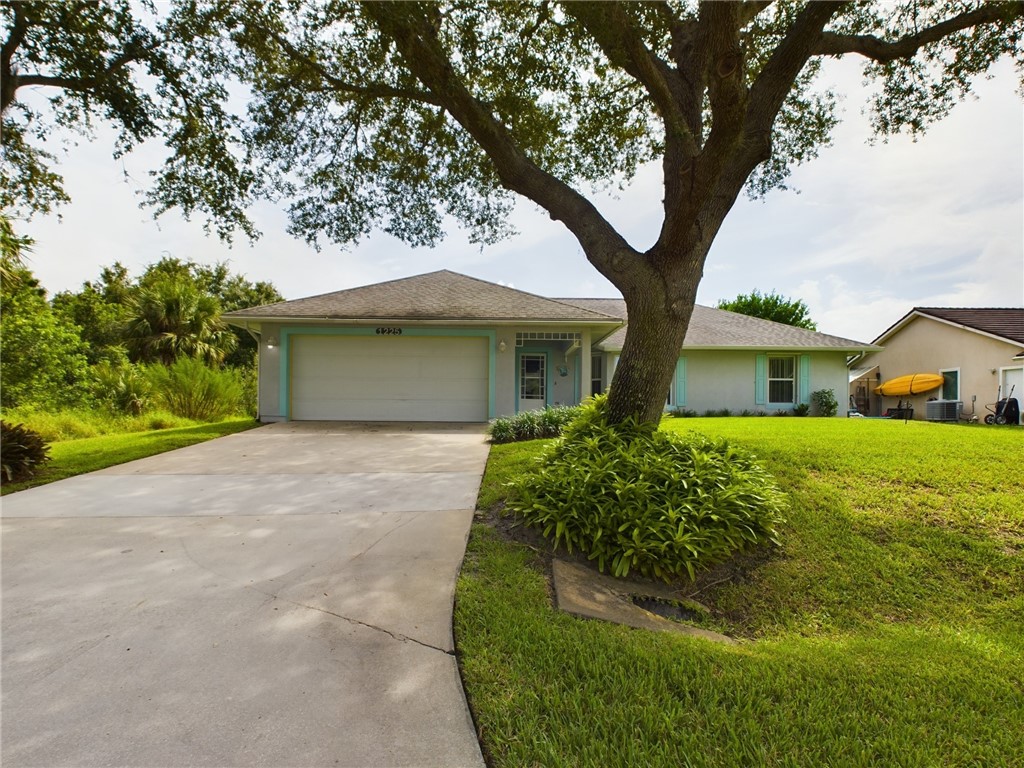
x=370, y=378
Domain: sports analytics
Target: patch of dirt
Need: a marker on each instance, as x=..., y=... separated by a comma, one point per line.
x=739, y=569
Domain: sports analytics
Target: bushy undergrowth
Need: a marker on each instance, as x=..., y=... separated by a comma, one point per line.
x=531, y=425
x=636, y=499
x=193, y=390
x=22, y=452
x=78, y=423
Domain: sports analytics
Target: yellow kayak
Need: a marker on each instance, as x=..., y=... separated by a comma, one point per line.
x=914, y=384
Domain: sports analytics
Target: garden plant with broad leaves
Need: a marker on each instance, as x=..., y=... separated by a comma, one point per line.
x=359, y=116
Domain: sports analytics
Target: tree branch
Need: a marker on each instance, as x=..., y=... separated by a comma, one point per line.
x=750, y=9
x=884, y=51
x=612, y=29
x=8, y=79
x=416, y=39
x=376, y=90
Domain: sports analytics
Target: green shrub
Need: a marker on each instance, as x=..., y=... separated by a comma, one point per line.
x=191, y=389
x=656, y=502
x=801, y=410
x=22, y=452
x=825, y=403
x=122, y=388
x=531, y=425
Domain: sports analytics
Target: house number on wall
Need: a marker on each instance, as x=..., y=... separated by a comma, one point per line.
x=389, y=331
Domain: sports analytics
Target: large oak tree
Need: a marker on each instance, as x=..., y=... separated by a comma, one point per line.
x=397, y=115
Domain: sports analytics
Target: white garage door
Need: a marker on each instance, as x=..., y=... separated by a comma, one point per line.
x=389, y=378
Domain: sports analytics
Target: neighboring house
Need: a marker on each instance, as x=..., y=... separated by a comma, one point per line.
x=447, y=347
x=977, y=352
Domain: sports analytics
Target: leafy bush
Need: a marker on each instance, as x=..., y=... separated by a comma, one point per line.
x=123, y=388
x=190, y=389
x=23, y=452
x=531, y=425
x=801, y=410
x=825, y=403
x=634, y=498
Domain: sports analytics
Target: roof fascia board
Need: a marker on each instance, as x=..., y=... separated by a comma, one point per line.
x=905, y=320
x=291, y=320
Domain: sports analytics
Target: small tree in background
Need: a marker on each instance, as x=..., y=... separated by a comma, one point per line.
x=43, y=358
x=771, y=306
x=170, y=320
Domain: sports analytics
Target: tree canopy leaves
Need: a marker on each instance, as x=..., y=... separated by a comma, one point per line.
x=771, y=306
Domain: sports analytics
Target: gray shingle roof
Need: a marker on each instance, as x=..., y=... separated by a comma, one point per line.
x=441, y=295
x=1005, y=322
x=718, y=328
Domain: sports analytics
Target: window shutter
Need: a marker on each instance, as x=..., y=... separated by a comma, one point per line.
x=805, y=379
x=760, y=379
x=680, y=382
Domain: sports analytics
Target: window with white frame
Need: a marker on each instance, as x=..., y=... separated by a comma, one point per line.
x=781, y=380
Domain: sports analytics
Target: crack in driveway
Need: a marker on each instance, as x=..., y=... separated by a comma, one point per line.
x=274, y=596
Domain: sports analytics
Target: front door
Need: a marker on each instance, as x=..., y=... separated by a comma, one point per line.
x=533, y=381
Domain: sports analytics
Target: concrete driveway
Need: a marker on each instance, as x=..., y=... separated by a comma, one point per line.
x=278, y=597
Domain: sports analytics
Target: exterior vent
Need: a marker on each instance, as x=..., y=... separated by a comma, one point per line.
x=943, y=410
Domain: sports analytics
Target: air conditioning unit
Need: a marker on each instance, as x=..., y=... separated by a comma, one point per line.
x=943, y=410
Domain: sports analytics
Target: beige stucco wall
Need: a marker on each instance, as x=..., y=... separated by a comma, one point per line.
x=930, y=346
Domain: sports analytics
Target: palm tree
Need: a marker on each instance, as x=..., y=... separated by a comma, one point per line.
x=172, y=319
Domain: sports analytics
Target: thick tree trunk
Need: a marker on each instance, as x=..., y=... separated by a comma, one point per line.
x=660, y=295
x=643, y=376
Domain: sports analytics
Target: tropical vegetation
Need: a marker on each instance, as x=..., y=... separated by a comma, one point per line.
x=154, y=347
x=636, y=499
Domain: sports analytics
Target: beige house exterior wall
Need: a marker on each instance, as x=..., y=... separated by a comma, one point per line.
x=926, y=345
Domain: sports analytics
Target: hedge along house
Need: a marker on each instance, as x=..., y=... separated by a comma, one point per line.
x=448, y=347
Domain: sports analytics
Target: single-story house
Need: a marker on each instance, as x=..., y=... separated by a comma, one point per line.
x=448, y=347
x=979, y=353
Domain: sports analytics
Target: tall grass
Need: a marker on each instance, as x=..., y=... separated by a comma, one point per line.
x=191, y=389
x=78, y=423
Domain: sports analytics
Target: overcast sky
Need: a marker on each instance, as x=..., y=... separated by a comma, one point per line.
x=873, y=232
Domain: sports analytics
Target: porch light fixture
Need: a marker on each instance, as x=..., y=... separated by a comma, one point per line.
x=271, y=342
x=502, y=346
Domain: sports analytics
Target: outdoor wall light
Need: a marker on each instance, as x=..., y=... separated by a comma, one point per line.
x=271, y=342
x=502, y=346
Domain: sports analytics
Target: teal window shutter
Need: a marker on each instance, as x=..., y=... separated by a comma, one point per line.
x=680, y=382
x=760, y=379
x=805, y=379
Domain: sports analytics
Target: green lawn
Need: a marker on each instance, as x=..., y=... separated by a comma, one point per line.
x=76, y=457
x=887, y=630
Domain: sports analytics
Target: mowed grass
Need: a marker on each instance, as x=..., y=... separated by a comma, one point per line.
x=887, y=630
x=76, y=457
